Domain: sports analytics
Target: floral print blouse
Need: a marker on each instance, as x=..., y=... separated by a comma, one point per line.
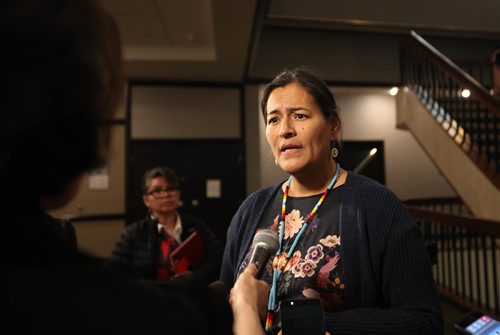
x=315, y=268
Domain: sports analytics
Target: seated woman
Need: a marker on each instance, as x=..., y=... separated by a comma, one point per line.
x=145, y=246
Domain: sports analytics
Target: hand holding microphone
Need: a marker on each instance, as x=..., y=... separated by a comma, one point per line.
x=247, y=297
x=247, y=290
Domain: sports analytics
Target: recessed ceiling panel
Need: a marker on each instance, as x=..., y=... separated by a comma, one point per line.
x=165, y=29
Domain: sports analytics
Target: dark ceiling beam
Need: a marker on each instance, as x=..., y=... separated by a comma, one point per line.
x=258, y=23
x=366, y=26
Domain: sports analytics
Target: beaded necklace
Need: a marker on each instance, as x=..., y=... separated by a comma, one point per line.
x=280, y=262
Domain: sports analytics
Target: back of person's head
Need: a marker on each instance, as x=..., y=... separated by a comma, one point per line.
x=160, y=171
x=60, y=75
x=312, y=83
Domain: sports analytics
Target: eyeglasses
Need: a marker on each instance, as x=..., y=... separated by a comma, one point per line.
x=163, y=192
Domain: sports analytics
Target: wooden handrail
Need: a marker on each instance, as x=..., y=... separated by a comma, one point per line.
x=487, y=227
x=463, y=78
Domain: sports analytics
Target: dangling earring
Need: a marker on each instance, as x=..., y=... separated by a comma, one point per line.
x=276, y=161
x=151, y=215
x=334, y=152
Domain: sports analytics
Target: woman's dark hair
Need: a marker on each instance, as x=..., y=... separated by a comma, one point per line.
x=312, y=83
x=160, y=171
x=60, y=78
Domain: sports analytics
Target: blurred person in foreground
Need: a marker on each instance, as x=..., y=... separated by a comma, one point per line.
x=343, y=238
x=60, y=71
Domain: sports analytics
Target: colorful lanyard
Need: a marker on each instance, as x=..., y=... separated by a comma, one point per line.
x=280, y=262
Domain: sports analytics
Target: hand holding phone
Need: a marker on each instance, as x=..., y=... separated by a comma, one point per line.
x=302, y=316
x=478, y=323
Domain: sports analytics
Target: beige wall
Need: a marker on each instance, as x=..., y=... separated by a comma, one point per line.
x=171, y=112
x=370, y=114
x=98, y=237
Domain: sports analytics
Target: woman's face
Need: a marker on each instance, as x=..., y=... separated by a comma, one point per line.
x=161, y=199
x=297, y=131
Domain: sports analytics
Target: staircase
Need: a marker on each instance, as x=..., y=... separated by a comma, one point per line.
x=460, y=134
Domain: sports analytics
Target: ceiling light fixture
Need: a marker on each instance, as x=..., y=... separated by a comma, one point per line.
x=393, y=91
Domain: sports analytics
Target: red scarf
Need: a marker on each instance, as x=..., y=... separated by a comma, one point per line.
x=167, y=269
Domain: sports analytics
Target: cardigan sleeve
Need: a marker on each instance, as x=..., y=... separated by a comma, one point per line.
x=240, y=233
x=402, y=297
x=233, y=246
x=410, y=303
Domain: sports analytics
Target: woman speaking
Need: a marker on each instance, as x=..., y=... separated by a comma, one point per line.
x=343, y=238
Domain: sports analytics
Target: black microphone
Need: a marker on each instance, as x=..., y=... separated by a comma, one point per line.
x=264, y=245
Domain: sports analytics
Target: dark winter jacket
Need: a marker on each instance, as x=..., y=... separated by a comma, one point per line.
x=138, y=249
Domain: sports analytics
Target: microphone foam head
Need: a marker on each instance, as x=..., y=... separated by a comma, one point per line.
x=268, y=238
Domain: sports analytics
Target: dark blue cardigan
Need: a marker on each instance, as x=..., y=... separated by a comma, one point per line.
x=388, y=276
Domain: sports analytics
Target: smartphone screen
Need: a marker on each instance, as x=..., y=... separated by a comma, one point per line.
x=302, y=316
x=478, y=323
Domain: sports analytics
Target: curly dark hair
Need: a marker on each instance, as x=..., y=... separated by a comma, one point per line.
x=60, y=77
